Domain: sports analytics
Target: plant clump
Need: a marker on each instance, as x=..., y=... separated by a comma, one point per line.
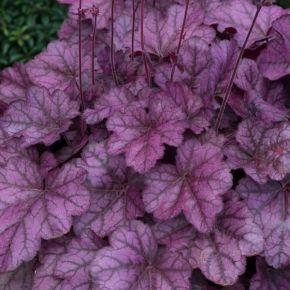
x=149, y=148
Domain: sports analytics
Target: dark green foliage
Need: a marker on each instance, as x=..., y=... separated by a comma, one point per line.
x=284, y=3
x=26, y=27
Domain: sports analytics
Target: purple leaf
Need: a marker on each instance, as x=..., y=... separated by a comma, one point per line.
x=14, y=84
x=42, y=118
x=267, y=278
x=239, y=15
x=262, y=98
x=221, y=254
x=95, y=160
x=194, y=186
x=213, y=79
x=162, y=32
x=73, y=266
x=141, y=134
x=195, y=57
x=21, y=278
x=45, y=277
x=274, y=61
x=32, y=208
x=263, y=151
x=191, y=105
x=57, y=67
x=174, y=233
x=219, y=258
x=134, y=256
x=271, y=210
x=115, y=197
x=12, y=148
x=115, y=100
x=237, y=222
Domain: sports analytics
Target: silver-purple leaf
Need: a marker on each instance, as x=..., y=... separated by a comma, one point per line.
x=57, y=67
x=14, y=84
x=195, y=186
x=41, y=118
x=134, y=262
x=262, y=150
x=140, y=132
x=239, y=15
x=219, y=258
x=115, y=194
x=274, y=61
x=32, y=208
x=271, y=210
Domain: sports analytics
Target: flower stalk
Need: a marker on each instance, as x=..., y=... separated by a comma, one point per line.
x=95, y=13
x=80, y=15
x=231, y=82
x=180, y=39
x=143, y=45
x=133, y=29
x=113, y=67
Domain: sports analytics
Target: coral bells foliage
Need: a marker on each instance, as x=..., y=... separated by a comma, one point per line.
x=149, y=148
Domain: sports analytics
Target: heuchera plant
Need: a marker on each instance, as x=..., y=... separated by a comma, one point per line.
x=149, y=148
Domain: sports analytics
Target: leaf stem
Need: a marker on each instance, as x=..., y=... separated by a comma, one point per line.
x=180, y=39
x=231, y=82
x=113, y=67
x=143, y=45
x=94, y=12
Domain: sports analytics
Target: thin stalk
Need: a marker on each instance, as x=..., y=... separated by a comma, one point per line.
x=143, y=45
x=133, y=30
x=154, y=3
x=113, y=67
x=231, y=82
x=95, y=14
x=180, y=39
x=80, y=55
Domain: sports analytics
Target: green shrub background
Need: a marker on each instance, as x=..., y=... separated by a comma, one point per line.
x=27, y=26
